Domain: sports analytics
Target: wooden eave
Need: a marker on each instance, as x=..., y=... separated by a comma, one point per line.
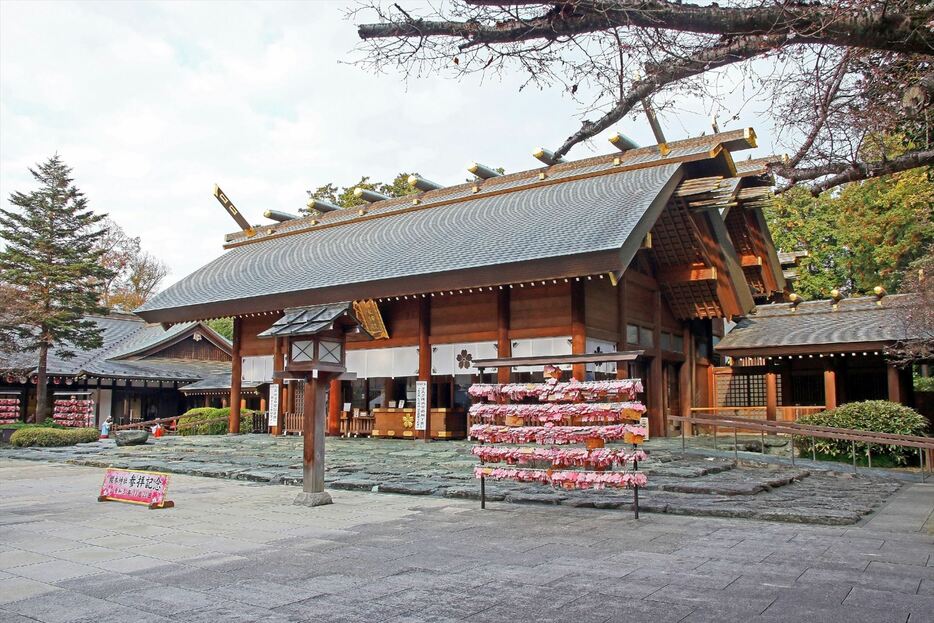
x=803, y=349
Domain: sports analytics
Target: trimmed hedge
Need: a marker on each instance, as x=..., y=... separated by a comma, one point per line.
x=195, y=421
x=44, y=437
x=48, y=423
x=879, y=416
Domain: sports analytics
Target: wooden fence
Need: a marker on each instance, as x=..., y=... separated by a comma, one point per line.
x=924, y=445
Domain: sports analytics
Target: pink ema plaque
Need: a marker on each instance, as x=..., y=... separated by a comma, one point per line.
x=148, y=488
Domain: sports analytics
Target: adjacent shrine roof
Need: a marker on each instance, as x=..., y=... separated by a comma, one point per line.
x=815, y=327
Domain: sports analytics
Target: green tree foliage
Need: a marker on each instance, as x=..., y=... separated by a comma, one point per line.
x=224, y=326
x=344, y=197
x=863, y=236
x=53, y=261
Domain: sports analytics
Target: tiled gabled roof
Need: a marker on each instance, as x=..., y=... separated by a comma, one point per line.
x=815, y=326
x=555, y=221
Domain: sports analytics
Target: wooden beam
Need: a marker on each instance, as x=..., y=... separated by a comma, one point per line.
x=503, y=342
x=578, y=329
x=236, y=367
x=750, y=260
x=687, y=273
x=424, y=355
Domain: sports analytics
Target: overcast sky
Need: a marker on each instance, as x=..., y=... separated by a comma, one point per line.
x=153, y=103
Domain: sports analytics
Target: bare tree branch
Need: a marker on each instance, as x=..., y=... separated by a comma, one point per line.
x=895, y=31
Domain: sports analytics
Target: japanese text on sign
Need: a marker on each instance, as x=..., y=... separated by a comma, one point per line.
x=421, y=405
x=274, y=390
x=137, y=487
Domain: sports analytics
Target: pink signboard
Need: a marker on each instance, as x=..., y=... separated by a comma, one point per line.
x=125, y=485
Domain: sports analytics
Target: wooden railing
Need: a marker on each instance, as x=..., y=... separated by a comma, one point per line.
x=356, y=426
x=293, y=423
x=924, y=445
x=783, y=414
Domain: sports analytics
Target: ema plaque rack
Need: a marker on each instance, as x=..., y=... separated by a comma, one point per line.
x=569, y=424
x=74, y=409
x=10, y=407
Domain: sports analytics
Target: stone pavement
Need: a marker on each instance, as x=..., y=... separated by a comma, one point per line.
x=239, y=551
x=678, y=484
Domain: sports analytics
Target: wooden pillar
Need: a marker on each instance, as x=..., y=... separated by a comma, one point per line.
x=207, y=400
x=830, y=387
x=657, y=426
x=424, y=355
x=334, y=407
x=313, y=436
x=578, y=329
x=894, y=383
x=236, y=365
x=503, y=342
x=771, y=394
x=622, y=367
x=686, y=381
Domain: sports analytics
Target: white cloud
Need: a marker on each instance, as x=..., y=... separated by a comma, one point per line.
x=153, y=103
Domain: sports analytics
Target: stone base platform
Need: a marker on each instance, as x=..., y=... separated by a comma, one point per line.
x=679, y=483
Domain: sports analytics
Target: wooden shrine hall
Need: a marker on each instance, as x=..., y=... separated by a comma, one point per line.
x=646, y=249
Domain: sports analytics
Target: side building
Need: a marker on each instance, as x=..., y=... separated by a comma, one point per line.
x=649, y=249
x=137, y=373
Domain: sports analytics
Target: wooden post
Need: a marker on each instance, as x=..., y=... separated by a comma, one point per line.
x=503, y=342
x=771, y=395
x=686, y=382
x=622, y=367
x=236, y=366
x=313, y=493
x=334, y=407
x=894, y=383
x=830, y=387
x=578, y=329
x=656, y=382
x=424, y=355
x=207, y=400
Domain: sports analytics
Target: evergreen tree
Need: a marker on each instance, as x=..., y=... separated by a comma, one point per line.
x=344, y=197
x=53, y=260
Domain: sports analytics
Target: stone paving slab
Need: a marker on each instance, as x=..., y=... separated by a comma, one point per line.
x=381, y=557
x=679, y=483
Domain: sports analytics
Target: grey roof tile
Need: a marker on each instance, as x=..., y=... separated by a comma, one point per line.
x=816, y=323
x=548, y=221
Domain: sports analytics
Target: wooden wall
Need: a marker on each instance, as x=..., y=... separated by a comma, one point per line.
x=540, y=310
x=188, y=348
x=252, y=346
x=463, y=317
x=601, y=309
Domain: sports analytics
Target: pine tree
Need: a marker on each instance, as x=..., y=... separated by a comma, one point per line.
x=52, y=259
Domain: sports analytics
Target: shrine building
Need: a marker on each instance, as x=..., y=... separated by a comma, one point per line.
x=647, y=249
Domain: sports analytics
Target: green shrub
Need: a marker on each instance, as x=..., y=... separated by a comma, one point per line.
x=196, y=421
x=46, y=437
x=924, y=383
x=48, y=423
x=879, y=416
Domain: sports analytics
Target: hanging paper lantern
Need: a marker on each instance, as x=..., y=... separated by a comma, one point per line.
x=57, y=380
x=69, y=381
x=9, y=378
x=22, y=380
